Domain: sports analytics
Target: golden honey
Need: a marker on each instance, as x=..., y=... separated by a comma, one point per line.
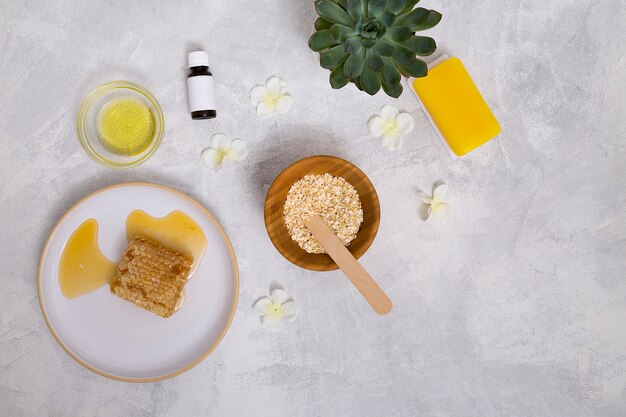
x=82, y=267
x=176, y=231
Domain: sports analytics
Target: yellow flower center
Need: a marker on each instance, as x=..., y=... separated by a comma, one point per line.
x=389, y=127
x=275, y=310
x=222, y=152
x=271, y=99
x=437, y=205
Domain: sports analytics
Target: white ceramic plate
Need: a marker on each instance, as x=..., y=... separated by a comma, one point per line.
x=115, y=338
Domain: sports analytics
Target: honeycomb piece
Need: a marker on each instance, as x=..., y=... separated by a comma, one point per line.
x=151, y=275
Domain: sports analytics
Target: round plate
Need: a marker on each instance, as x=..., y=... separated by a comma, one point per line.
x=115, y=338
x=277, y=194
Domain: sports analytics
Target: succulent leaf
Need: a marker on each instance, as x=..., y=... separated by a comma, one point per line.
x=416, y=69
x=391, y=75
x=340, y=33
x=392, y=90
x=384, y=48
x=342, y=3
x=333, y=57
x=421, y=45
x=321, y=24
x=333, y=12
x=356, y=8
x=410, y=4
x=413, y=18
x=373, y=60
x=395, y=6
x=354, y=65
x=399, y=33
x=353, y=45
x=337, y=79
x=403, y=55
x=370, y=81
x=321, y=40
x=376, y=8
x=387, y=19
x=358, y=84
x=432, y=20
x=368, y=43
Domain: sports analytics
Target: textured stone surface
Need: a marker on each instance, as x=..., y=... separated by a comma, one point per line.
x=514, y=307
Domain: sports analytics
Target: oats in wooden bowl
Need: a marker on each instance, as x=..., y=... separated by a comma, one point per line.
x=274, y=209
x=330, y=197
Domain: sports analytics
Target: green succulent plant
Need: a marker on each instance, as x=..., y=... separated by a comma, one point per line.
x=372, y=42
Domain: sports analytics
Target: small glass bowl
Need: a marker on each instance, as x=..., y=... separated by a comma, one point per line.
x=91, y=106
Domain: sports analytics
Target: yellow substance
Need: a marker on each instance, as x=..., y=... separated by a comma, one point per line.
x=275, y=310
x=82, y=267
x=176, y=230
x=126, y=126
x=456, y=106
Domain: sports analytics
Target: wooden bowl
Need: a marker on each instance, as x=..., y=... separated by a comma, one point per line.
x=277, y=194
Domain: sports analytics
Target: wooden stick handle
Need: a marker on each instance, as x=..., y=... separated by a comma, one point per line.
x=349, y=265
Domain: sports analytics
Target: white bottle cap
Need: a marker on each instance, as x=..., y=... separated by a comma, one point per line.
x=198, y=59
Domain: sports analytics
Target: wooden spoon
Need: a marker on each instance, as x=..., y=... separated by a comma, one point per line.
x=349, y=265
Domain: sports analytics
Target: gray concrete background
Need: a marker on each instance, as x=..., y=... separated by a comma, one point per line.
x=514, y=307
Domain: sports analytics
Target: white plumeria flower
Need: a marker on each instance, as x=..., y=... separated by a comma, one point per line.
x=222, y=148
x=390, y=125
x=437, y=204
x=276, y=310
x=271, y=97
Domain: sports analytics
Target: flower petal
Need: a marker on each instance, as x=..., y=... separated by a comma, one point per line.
x=238, y=150
x=442, y=192
x=404, y=123
x=219, y=141
x=257, y=94
x=289, y=311
x=212, y=158
x=261, y=306
x=426, y=199
x=388, y=112
x=279, y=296
x=276, y=85
x=392, y=142
x=429, y=213
x=272, y=323
x=264, y=110
x=376, y=126
x=283, y=103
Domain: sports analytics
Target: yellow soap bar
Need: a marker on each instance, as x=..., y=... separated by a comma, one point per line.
x=456, y=107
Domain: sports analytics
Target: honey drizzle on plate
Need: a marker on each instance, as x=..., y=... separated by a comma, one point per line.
x=176, y=231
x=83, y=268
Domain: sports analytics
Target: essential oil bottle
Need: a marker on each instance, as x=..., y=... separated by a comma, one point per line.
x=200, y=88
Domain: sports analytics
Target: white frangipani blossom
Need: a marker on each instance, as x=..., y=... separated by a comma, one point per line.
x=222, y=149
x=271, y=98
x=390, y=125
x=276, y=310
x=438, y=205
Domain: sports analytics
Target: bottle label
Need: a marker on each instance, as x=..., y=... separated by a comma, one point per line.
x=201, y=93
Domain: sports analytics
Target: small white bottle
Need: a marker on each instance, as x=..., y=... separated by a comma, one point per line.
x=200, y=88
